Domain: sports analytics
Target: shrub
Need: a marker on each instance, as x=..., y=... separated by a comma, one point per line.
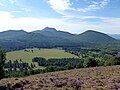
x=90, y=62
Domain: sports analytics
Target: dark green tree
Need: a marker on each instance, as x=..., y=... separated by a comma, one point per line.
x=2, y=63
x=113, y=61
x=90, y=62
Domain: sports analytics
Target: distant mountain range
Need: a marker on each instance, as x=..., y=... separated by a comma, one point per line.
x=50, y=37
x=116, y=36
x=52, y=32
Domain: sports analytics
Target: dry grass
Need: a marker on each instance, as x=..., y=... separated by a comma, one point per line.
x=98, y=78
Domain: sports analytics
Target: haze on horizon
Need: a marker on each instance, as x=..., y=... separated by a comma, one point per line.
x=73, y=16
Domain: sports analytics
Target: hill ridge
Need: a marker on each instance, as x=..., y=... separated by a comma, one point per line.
x=55, y=38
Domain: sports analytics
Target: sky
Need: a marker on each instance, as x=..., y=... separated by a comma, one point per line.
x=73, y=16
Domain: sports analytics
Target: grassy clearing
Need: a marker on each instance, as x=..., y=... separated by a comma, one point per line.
x=45, y=53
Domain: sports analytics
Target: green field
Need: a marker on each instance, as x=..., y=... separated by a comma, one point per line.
x=45, y=53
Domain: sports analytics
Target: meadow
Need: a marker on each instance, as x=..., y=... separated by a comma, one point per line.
x=27, y=55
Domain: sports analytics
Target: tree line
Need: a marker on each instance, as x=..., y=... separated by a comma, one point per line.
x=19, y=68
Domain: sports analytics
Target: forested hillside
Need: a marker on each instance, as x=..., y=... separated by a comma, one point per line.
x=50, y=37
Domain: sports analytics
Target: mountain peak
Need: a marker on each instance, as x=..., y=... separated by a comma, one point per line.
x=48, y=29
x=14, y=31
x=95, y=37
x=92, y=31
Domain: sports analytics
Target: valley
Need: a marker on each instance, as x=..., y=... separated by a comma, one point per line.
x=57, y=55
x=28, y=54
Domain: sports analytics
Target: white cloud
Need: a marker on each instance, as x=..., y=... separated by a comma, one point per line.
x=60, y=4
x=94, y=6
x=26, y=9
x=65, y=6
x=8, y=21
x=12, y=1
x=9, y=1
x=16, y=3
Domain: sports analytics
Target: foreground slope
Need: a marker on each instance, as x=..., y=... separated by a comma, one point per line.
x=97, y=78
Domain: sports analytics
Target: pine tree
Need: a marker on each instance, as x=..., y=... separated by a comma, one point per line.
x=2, y=63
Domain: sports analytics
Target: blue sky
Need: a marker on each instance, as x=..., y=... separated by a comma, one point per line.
x=74, y=16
